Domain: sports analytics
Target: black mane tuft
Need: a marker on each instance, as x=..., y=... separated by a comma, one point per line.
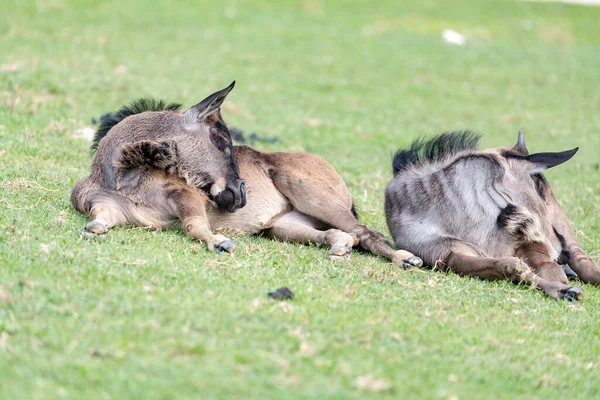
x=108, y=120
x=438, y=148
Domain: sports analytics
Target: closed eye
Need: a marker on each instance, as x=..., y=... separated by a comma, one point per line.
x=220, y=139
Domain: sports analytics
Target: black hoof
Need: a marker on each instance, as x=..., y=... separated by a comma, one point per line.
x=572, y=294
x=571, y=275
x=412, y=262
x=226, y=246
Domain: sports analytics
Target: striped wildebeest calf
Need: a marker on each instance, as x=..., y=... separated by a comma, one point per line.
x=156, y=167
x=489, y=213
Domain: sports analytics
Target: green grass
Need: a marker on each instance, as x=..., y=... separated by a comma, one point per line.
x=153, y=315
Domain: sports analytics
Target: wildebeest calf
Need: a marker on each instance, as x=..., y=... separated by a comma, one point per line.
x=144, y=179
x=489, y=214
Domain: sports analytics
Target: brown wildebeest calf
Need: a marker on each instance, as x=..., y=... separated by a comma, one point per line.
x=145, y=175
x=489, y=214
x=206, y=161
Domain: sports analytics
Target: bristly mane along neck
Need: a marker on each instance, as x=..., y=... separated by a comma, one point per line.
x=424, y=151
x=107, y=121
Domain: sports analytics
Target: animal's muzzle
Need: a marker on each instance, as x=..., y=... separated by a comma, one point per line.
x=233, y=197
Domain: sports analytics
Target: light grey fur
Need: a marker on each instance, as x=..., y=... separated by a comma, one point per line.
x=462, y=198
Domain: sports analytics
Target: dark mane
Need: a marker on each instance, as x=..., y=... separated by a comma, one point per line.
x=107, y=121
x=438, y=148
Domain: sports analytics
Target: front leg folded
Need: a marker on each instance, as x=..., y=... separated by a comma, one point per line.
x=198, y=228
x=191, y=208
x=189, y=202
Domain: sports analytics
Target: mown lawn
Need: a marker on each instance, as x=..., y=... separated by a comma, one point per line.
x=153, y=315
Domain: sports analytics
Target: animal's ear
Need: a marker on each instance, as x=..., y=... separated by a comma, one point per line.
x=542, y=161
x=208, y=105
x=520, y=146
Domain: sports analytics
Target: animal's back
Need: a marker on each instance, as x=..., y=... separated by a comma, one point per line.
x=458, y=199
x=454, y=192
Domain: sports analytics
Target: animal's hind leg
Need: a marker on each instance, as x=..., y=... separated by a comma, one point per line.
x=314, y=188
x=106, y=210
x=466, y=259
x=299, y=228
x=376, y=243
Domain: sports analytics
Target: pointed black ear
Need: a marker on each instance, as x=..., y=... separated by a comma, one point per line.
x=209, y=104
x=543, y=161
x=520, y=146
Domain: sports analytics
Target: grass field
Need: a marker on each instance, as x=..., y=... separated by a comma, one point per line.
x=154, y=315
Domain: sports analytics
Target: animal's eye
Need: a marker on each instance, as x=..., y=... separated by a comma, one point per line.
x=227, y=151
x=220, y=139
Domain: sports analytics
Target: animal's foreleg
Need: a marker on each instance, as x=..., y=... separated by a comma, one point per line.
x=551, y=277
x=580, y=262
x=466, y=259
x=191, y=209
x=197, y=227
x=538, y=256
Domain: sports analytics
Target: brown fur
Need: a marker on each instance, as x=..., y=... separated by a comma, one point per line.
x=295, y=197
x=572, y=253
x=194, y=145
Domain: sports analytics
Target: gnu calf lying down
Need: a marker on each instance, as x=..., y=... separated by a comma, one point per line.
x=158, y=168
x=489, y=213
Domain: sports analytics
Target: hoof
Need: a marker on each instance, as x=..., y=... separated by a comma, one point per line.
x=572, y=294
x=412, y=262
x=406, y=259
x=96, y=227
x=339, y=253
x=571, y=275
x=86, y=233
x=226, y=246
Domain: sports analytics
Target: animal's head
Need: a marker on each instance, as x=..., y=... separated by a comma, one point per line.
x=528, y=168
x=206, y=156
x=212, y=154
